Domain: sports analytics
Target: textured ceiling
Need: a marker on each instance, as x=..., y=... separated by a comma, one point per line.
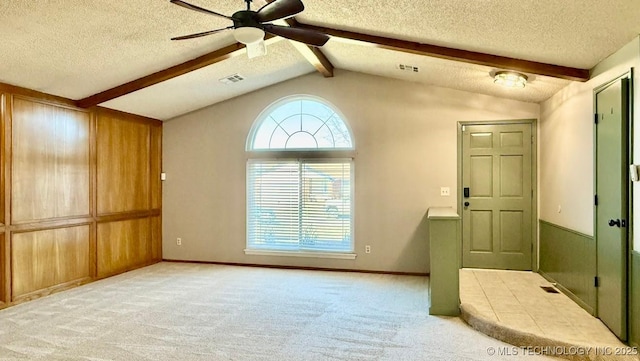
x=575, y=33
x=444, y=73
x=77, y=48
x=202, y=87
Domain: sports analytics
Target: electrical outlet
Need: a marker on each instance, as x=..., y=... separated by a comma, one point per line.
x=445, y=191
x=178, y=241
x=367, y=249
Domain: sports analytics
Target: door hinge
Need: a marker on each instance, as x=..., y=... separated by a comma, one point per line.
x=595, y=118
x=464, y=127
x=596, y=281
x=595, y=199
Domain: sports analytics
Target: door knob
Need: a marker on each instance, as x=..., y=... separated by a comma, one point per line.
x=466, y=204
x=615, y=223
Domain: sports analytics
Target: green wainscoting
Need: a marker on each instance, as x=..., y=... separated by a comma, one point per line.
x=634, y=308
x=568, y=258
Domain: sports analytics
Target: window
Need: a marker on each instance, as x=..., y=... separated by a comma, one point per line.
x=300, y=180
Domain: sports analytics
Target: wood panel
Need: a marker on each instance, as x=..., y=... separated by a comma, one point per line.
x=123, y=165
x=50, y=161
x=3, y=154
x=80, y=191
x=4, y=271
x=3, y=157
x=156, y=167
x=156, y=238
x=47, y=258
x=5, y=261
x=12, y=89
x=123, y=245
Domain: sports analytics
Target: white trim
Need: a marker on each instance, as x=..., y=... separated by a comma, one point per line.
x=292, y=98
x=309, y=252
x=306, y=254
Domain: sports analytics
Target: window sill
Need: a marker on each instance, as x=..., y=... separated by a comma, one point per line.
x=256, y=252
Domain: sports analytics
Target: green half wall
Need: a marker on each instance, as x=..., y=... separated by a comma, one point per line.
x=568, y=258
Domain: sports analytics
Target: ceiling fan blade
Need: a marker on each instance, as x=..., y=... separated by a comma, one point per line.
x=197, y=35
x=279, y=9
x=197, y=8
x=302, y=35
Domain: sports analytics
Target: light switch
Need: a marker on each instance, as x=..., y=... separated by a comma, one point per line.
x=445, y=191
x=163, y=176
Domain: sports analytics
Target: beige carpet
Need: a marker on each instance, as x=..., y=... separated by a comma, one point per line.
x=172, y=311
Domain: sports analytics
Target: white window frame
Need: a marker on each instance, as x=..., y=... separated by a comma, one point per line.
x=300, y=155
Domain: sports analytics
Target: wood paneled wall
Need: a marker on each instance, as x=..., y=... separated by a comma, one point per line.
x=123, y=165
x=49, y=162
x=47, y=258
x=80, y=193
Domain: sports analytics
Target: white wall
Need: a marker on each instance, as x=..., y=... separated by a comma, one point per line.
x=405, y=135
x=566, y=145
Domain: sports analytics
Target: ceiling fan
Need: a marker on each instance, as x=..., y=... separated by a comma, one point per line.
x=250, y=26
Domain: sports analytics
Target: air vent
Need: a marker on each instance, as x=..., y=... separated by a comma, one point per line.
x=233, y=78
x=406, y=67
x=549, y=289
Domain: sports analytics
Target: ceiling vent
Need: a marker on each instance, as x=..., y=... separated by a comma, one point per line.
x=233, y=78
x=410, y=68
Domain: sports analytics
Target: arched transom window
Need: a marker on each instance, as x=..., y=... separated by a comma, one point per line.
x=297, y=202
x=300, y=123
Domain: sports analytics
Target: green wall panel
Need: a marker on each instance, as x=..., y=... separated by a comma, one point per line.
x=634, y=311
x=569, y=259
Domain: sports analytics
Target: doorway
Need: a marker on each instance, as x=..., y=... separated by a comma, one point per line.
x=497, y=200
x=612, y=203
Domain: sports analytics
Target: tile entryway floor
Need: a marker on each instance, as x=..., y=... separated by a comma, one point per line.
x=513, y=302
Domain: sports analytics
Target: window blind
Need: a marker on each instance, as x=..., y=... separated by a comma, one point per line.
x=299, y=205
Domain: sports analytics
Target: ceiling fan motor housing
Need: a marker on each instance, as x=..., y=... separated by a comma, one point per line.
x=245, y=18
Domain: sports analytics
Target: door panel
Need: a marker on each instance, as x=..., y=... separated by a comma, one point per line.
x=481, y=140
x=481, y=231
x=510, y=169
x=511, y=139
x=497, y=168
x=482, y=176
x=612, y=192
x=511, y=231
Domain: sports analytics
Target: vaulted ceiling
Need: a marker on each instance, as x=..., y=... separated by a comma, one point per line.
x=118, y=54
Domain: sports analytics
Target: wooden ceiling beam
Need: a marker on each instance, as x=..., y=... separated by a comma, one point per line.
x=323, y=65
x=496, y=61
x=316, y=57
x=169, y=73
x=312, y=54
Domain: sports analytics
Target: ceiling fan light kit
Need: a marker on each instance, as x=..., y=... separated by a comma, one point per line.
x=510, y=79
x=248, y=35
x=249, y=27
